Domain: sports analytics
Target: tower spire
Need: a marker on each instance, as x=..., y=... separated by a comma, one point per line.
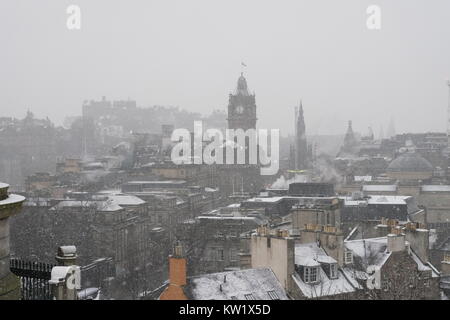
x=301, y=148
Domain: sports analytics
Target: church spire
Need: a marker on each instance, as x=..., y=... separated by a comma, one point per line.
x=349, y=140
x=301, y=148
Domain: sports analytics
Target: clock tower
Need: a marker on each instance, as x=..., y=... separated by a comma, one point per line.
x=242, y=107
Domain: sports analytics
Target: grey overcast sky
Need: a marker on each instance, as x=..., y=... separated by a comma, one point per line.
x=187, y=53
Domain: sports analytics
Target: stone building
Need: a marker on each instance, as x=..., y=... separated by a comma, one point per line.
x=242, y=107
x=222, y=230
x=393, y=266
x=234, y=178
x=10, y=204
x=107, y=225
x=403, y=270
x=249, y=284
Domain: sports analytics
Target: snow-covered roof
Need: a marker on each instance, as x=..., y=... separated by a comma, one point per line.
x=157, y=182
x=268, y=199
x=99, y=205
x=306, y=254
x=257, y=220
x=371, y=251
x=379, y=187
x=126, y=200
x=436, y=188
x=326, y=286
x=109, y=191
x=259, y=284
x=310, y=255
x=421, y=266
x=325, y=259
x=376, y=200
x=379, y=199
x=363, y=178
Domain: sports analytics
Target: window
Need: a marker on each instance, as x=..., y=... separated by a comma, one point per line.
x=220, y=234
x=220, y=255
x=348, y=257
x=333, y=271
x=273, y=295
x=233, y=254
x=310, y=274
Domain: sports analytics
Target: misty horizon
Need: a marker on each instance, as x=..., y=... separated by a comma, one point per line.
x=189, y=55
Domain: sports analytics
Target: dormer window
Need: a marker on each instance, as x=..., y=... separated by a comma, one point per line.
x=311, y=274
x=329, y=266
x=333, y=271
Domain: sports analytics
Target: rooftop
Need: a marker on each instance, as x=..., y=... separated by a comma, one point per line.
x=379, y=187
x=410, y=162
x=310, y=255
x=106, y=206
x=376, y=200
x=249, y=284
x=435, y=188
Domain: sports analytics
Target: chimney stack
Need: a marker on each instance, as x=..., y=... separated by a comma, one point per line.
x=177, y=266
x=396, y=242
x=66, y=256
x=177, y=275
x=66, y=277
x=419, y=241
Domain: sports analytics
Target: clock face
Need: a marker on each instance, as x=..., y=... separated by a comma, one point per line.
x=239, y=109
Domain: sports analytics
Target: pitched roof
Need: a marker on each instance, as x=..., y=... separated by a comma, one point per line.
x=260, y=284
x=310, y=255
x=371, y=251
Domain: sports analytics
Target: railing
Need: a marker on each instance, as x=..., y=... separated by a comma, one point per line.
x=34, y=277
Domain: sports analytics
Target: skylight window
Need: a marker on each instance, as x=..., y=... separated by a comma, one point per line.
x=273, y=295
x=249, y=297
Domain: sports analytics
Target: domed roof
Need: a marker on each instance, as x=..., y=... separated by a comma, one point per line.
x=410, y=162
